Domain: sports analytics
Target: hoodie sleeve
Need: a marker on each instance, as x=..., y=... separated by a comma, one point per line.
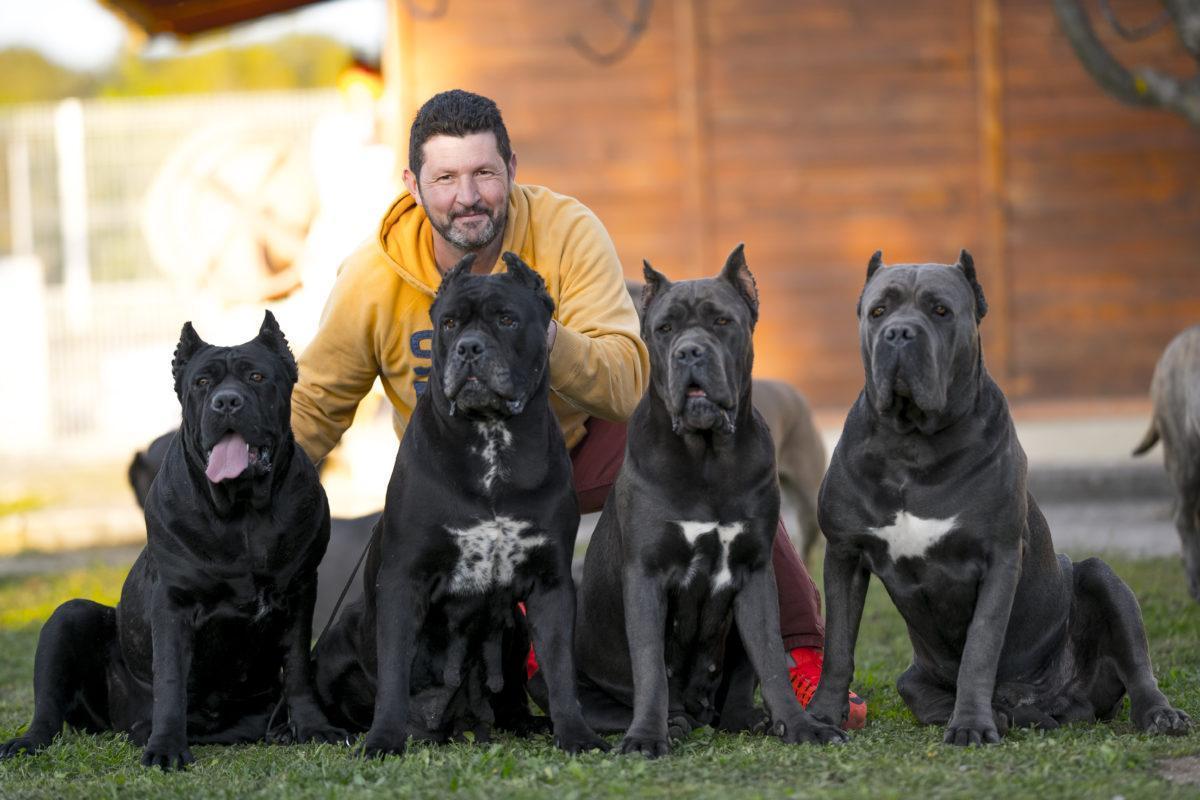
x=339, y=366
x=599, y=363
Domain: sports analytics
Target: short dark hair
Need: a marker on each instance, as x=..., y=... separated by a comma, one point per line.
x=455, y=113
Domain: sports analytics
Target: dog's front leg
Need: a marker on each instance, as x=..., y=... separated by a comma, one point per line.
x=399, y=615
x=756, y=612
x=846, y=581
x=171, y=635
x=551, y=615
x=974, y=721
x=308, y=720
x=645, y=626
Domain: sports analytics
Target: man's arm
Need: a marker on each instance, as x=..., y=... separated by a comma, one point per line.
x=598, y=360
x=339, y=366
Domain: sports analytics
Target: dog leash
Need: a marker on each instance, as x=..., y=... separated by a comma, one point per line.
x=332, y=616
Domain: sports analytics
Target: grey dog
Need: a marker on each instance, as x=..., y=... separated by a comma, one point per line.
x=927, y=490
x=1175, y=391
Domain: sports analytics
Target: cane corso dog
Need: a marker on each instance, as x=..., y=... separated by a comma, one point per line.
x=677, y=608
x=799, y=449
x=1175, y=391
x=348, y=536
x=214, y=621
x=927, y=490
x=480, y=514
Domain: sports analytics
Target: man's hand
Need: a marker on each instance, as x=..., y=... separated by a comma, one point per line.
x=551, y=335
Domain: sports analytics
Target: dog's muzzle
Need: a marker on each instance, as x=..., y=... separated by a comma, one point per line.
x=475, y=381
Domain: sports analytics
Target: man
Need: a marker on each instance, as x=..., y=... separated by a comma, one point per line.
x=462, y=198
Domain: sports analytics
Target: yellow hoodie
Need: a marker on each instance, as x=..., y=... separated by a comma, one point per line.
x=376, y=321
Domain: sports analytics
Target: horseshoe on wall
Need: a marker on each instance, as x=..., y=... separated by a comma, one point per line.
x=634, y=28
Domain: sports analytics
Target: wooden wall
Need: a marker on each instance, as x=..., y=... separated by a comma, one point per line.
x=819, y=131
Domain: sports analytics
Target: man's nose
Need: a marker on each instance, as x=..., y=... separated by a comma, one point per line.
x=468, y=191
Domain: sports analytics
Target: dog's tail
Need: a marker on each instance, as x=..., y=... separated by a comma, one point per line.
x=1149, y=440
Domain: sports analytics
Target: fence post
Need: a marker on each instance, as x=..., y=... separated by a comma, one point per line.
x=72, y=210
x=25, y=413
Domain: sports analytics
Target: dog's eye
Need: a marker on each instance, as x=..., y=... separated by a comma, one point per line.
x=507, y=320
x=664, y=328
x=449, y=324
x=940, y=311
x=257, y=377
x=202, y=381
x=722, y=320
x=877, y=311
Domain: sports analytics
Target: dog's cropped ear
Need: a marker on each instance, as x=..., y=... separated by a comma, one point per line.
x=967, y=264
x=271, y=336
x=190, y=343
x=463, y=267
x=736, y=272
x=523, y=274
x=656, y=284
x=872, y=267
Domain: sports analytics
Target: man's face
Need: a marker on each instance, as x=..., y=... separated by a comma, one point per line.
x=463, y=187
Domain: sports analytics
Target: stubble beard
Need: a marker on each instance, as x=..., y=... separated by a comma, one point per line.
x=471, y=242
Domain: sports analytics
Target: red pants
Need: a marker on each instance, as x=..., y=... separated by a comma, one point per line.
x=596, y=461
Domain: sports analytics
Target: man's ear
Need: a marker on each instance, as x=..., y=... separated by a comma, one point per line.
x=967, y=264
x=512, y=167
x=656, y=284
x=737, y=273
x=270, y=335
x=872, y=267
x=190, y=343
x=410, y=183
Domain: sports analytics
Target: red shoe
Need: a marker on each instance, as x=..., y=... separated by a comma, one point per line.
x=805, y=673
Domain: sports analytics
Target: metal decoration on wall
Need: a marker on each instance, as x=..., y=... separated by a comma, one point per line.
x=1133, y=34
x=633, y=30
x=417, y=11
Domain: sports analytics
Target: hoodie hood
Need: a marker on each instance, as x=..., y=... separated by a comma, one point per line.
x=406, y=238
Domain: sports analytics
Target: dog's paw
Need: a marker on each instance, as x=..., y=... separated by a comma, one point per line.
x=974, y=730
x=679, y=726
x=1167, y=721
x=807, y=730
x=27, y=745
x=524, y=725
x=648, y=746
x=167, y=754
x=830, y=710
x=381, y=747
x=577, y=739
x=320, y=734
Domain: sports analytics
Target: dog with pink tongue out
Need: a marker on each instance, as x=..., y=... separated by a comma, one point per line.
x=215, y=619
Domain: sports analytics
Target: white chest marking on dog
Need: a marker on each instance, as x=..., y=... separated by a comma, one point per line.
x=496, y=437
x=910, y=536
x=725, y=536
x=489, y=553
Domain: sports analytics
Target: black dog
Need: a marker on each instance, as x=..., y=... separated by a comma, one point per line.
x=927, y=490
x=683, y=546
x=221, y=598
x=348, y=536
x=480, y=514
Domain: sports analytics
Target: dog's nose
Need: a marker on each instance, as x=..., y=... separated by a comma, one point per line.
x=689, y=353
x=899, y=333
x=226, y=401
x=470, y=346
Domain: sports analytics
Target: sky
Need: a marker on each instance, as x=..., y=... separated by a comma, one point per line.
x=95, y=36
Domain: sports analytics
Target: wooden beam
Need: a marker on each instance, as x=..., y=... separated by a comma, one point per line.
x=992, y=258
x=689, y=46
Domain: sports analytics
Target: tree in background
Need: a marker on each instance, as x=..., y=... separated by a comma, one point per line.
x=1141, y=85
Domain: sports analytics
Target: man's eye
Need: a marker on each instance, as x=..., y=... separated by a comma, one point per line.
x=877, y=311
x=257, y=377
x=202, y=381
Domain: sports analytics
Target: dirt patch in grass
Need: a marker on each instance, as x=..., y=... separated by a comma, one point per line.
x=1183, y=771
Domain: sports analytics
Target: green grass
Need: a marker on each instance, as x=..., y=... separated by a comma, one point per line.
x=893, y=757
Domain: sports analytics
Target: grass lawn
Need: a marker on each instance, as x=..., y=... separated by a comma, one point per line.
x=892, y=757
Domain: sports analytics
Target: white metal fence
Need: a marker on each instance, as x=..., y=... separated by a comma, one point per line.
x=87, y=322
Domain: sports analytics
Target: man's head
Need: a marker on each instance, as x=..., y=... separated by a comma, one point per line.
x=460, y=168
